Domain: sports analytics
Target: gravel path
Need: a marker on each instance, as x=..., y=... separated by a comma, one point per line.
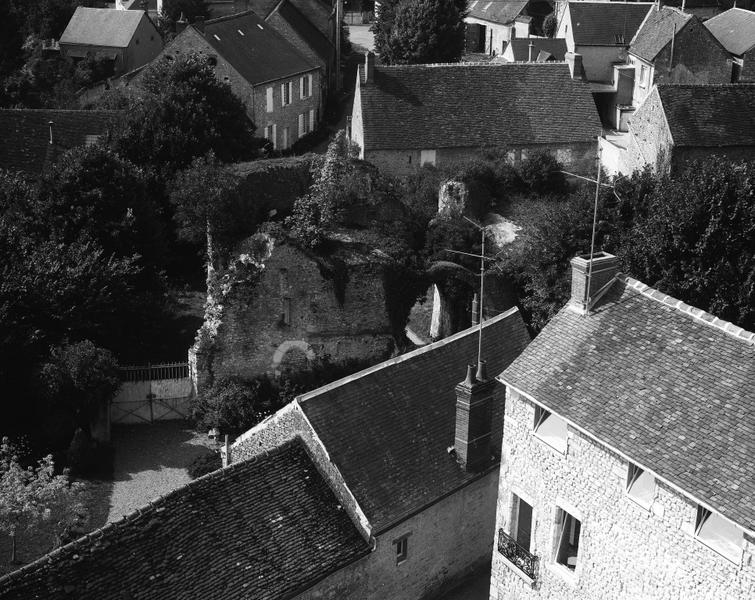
x=150, y=461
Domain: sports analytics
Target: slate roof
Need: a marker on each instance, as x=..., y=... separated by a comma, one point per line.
x=735, y=29
x=657, y=31
x=659, y=381
x=25, y=143
x=306, y=31
x=710, y=115
x=102, y=27
x=265, y=528
x=520, y=47
x=498, y=11
x=388, y=428
x=606, y=23
x=468, y=105
x=260, y=54
x=317, y=12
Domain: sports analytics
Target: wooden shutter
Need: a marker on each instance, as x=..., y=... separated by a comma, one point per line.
x=301, y=88
x=311, y=120
x=301, y=125
x=270, y=99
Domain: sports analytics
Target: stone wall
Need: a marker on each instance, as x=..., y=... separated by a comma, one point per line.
x=649, y=140
x=625, y=550
x=445, y=542
x=299, y=310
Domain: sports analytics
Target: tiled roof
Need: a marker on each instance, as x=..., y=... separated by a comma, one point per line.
x=606, y=23
x=388, y=429
x=306, y=30
x=25, y=143
x=657, y=31
x=317, y=12
x=498, y=11
x=520, y=48
x=710, y=115
x=667, y=385
x=102, y=27
x=469, y=105
x=258, y=53
x=735, y=29
x=266, y=528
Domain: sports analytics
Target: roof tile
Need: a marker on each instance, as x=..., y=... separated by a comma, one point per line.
x=606, y=23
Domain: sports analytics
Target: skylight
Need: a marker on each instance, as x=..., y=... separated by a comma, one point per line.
x=240, y=32
x=260, y=26
x=215, y=35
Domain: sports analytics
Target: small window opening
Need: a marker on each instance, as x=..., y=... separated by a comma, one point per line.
x=241, y=33
x=550, y=428
x=567, y=544
x=719, y=534
x=640, y=486
x=286, y=316
x=521, y=522
x=402, y=548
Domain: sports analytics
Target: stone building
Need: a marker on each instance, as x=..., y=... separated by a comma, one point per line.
x=409, y=115
x=490, y=26
x=626, y=466
x=281, y=88
x=735, y=29
x=127, y=37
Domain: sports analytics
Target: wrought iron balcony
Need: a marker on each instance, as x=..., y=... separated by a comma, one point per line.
x=517, y=555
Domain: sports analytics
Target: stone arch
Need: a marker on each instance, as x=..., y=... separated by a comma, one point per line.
x=453, y=288
x=287, y=350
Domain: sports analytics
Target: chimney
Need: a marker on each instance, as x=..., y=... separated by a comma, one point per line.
x=588, y=285
x=51, y=123
x=181, y=23
x=474, y=419
x=529, y=56
x=369, y=67
x=576, y=69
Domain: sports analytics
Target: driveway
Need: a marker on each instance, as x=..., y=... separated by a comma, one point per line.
x=361, y=38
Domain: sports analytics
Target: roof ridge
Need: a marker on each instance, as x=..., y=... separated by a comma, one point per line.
x=744, y=84
x=404, y=357
x=231, y=17
x=153, y=506
x=471, y=64
x=697, y=314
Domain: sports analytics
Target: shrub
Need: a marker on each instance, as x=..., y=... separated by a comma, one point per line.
x=540, y=172
x=205, y=463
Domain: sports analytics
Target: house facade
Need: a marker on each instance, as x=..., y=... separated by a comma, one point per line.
x=128, y=37
x=617, y=479
x=492, y=25
x=535, y=49
x=407, y=116
x=281, y=88
x=735, y=29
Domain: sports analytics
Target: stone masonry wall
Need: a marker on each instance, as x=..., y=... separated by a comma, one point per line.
x=445, y=542
x=649, y=141
x=625, y=551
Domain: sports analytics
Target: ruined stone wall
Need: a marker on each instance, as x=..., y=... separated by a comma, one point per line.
x=625, y=551
x=296, y=313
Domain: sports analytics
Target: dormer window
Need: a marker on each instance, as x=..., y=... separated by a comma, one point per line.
x=719, y=534
x=640, y=486
x=550, y=429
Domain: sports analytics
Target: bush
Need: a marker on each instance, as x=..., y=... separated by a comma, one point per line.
x=550, y=25
x=206, y=463
x=540, y=172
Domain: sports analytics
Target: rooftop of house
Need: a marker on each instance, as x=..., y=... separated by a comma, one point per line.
x=657, y=30
x=606, y=23
x=388, y=428
x=305, y=29
x=266, y=528
x=102, y=27
x=710, y=115
x=26, y=135
x=665, y=384
x=735, y=29
x=317, y=12
x=554, y=48
x=254, y=48
x=466, y=105
x=506, y=11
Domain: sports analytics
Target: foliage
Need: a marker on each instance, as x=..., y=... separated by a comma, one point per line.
x=29, y=496
x=184, y=113
x=692, y=238
x=550, y=25
x=541, y=173
x=383, y=26
x=10, y=38
x=88, y=457
x=190, y=9
x=205, y=463
x=318, y=211
x=82, y=378
x=421, y=31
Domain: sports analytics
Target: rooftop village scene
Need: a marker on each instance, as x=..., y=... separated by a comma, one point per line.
x=377, y=300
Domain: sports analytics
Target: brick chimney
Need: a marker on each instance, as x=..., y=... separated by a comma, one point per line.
x=369, y=67
x=576, y=68
x=474, y=419
x=585, y=293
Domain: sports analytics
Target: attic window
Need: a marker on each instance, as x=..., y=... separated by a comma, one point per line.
x=215, y=35
x=640, y=486
x=90, y=139
x=487, y=6
x=550, y=429
x=240, y=32
x=619, y=37
x=719, y=534
x=402, y=548
x=260, y=26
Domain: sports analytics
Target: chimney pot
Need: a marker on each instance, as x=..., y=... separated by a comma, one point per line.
x=482, y=372
x=531, y=46
x=369, y=67
x=585, y=293
x=470, y=379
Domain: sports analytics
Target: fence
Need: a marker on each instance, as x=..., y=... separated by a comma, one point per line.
x=152, y=393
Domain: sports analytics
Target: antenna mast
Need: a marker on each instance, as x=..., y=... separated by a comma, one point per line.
x=594, y=225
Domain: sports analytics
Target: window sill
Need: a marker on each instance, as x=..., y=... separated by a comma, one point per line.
x=736, y=561
x=639, y=503
x=517, y=571
x=569, y=576
x=561, y=452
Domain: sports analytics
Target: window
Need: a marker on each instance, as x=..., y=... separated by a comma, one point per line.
x=427, y=157
x=551, y=429
x=402, y=548
x=285, y=142
x=269, y=104
x=305, y=86
x=286, y=93
x=270, y=134
x=302, y=124
x=286, y=316
x=311, y=124
x=643, y=76
x=567, y=539
x=640, y=486
x=521, y=522
x=719, y=534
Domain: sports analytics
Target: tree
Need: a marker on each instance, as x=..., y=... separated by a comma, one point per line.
x=30, y=496
x=184, y=112
x=190, y=9
x=550, y=25
x=422, y=31
x=692, y=238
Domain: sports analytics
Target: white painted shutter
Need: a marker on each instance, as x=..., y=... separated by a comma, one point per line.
x=283, y=94
x=311, y=120
x=275, y=137
x=301, y=124
x=301, y=88
x=270, y=99
x=285, y=138
x=309, y=85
